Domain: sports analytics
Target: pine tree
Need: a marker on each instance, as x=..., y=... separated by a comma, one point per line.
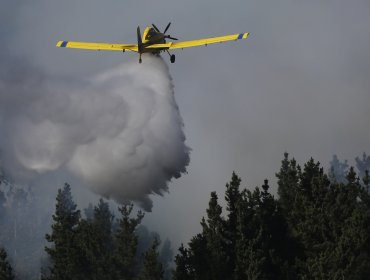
x=6, y=272
x=205, y=259
x=103, y=220
x=256, y=224
x=64, y=253
x=183, y=267
x=90, y=250
x=254, y=259
x=288, y=178
x=126, y=243
x=262, y=237
x=232, y=197
x=199, y=261
x=193, y=263
x=331, y=222
x=318, y=229
x=153, y=269
x=95, y=243
x=214, y=233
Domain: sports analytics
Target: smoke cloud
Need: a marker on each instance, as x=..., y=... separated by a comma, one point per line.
x=119, y=132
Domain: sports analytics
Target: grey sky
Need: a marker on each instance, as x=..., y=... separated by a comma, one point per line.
x=300, y=83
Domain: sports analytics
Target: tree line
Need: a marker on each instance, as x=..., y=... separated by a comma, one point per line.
x=95, y=245
x=98, y=247
x=318, y=227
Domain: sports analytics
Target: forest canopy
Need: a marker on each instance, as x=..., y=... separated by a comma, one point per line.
x=317, y=227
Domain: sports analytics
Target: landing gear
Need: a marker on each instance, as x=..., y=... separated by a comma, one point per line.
x=172, y=57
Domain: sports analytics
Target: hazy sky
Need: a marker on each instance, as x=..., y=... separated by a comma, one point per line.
x=300, y=83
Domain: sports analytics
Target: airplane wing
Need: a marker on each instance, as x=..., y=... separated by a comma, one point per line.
x=97, y=46
x=207, y=41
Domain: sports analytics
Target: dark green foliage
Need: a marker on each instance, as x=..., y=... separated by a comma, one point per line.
x=95, y=244
x=206, y=257
x=232, y=197
x=64, y=252
x=288, y=182
x=103, y=220
x=331, y=222
x=319, y=228
x=6, y=272
x=193, y=263
x=153, y=269
x=126, y=243
x=263, y=244
x=198, y=258
x=184, y=268
x=214, y=234
x=91, y=249
x=251, y=243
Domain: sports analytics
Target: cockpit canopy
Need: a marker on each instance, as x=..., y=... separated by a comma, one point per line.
x=151, y=33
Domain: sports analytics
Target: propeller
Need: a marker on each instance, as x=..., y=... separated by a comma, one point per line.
x=168, y=26
x=139, y=43
x=172, y=38
x=165, y=30
x=156, y=28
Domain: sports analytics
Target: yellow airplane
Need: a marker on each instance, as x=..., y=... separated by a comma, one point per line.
x=152, y=41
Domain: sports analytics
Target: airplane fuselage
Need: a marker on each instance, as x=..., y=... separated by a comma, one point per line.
x=151, y=37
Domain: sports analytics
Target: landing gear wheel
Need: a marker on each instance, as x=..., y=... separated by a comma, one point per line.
x=140, y=60
x=173, y=58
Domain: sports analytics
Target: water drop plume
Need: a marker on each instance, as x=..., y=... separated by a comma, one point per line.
x=120, y=132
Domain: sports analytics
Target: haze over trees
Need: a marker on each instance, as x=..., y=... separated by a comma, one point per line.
x=98, y=247
x=317, y=227
x=92, y=245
